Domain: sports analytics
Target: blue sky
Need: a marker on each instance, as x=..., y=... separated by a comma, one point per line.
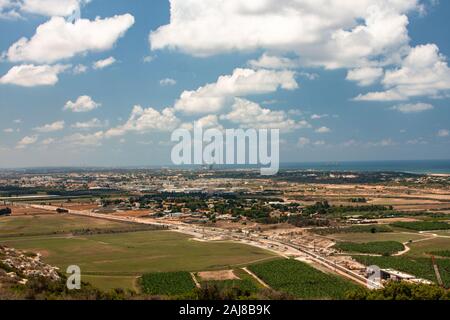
x=314, y=78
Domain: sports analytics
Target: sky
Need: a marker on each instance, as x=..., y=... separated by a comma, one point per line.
x=106, y=82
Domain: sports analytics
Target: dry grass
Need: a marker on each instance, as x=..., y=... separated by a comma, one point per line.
x=22, y=211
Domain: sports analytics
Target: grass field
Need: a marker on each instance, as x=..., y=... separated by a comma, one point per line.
x=423, y=225
x=127, y=255
x=385, y=248
x=16, y=226
x=245, y=282
x=445, y=253
x=108, y=283
x=371, y=229
x=424, y=247
x=245, y=285
x=369, y=237
x=302, y=281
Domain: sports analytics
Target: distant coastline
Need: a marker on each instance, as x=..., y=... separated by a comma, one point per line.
x=435, y=167
x=430, y=167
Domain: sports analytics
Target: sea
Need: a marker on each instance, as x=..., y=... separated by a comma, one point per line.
x=408, y=166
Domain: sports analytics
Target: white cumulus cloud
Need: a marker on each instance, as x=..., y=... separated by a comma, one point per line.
x=51, y=8
x=52, y=127
x=31, y=76
x=147, y=120
x=329, y=33
x=101, y=64
x=413, y=107
x=214, y=97
x=59, y=39
x=323, y=130
x=167, y=82
x=250, y=115
x=93, y=123
x=365, y=76
x=424, y=72
x=82, y=104
x=27, y=141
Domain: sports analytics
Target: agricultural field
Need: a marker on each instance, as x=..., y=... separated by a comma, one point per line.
x=22, y=226
x=25, y=211
x=108, y=283
x=443, y=233
x=239, y=279
x=167, y=284
x=372, y=229
x=302, y=281
x=385, y=248
x=420, y=267
x=423, y=225
x=422, y=248
x=369, y=237
x=441, y=253
x=124, y=256
x=246, y=285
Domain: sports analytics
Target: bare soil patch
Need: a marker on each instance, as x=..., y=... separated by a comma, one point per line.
x=218, y=275
x=23, y=211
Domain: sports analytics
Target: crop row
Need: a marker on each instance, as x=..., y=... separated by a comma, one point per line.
x=423, y=225
x=169, y=284
x=420, y=267
x=302, y=281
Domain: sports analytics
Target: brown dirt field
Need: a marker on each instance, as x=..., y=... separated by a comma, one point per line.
x=22, y=211
x=76, y=206
x=393, y=220
x=218, y=275
x=133, y=213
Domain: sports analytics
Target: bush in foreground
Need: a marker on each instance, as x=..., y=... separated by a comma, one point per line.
x=402, y=291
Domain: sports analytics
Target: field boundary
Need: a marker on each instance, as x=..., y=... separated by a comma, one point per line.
x=194, y=278
x=260, y=281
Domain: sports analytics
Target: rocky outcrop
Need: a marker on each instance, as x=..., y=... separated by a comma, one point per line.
x=18, y=266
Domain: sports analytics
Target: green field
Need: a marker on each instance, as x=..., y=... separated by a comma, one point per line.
x=441, y=253
x=245, y=282
x=53, y=224
x=302, y=281
x=385, y=248
x=167, y=284
x=423, y=225
x=444, y=233
x=246, y=285
x=421, y=249
x=371, y=229
x=129, y=255
x=420, y=267
x=369, y=237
